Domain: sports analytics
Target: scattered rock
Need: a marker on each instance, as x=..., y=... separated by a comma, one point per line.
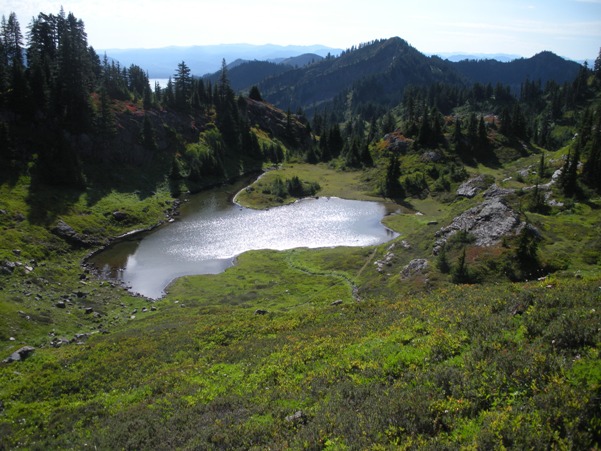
x=20, y=354
x=405, y=244
x=472, y=187
x=261, y=312
x=415, y=267
x=89, y=310
x=337, y=302
x=58, y=342
x=68, y=233
x=496, y=191
x=397, y=142
x=386, y=261
x=298, y=417
x=432, y=156
x=7, y=267
x=61, y=304
x=120, y=215
x=79, y=338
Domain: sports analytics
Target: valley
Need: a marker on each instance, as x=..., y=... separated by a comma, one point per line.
x=477, y=327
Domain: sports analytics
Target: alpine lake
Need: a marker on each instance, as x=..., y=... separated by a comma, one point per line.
x=212, y=230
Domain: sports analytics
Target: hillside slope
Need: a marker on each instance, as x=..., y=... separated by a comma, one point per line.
x=544, y=66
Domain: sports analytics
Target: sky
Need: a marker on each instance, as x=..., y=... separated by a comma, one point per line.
x=569, y=28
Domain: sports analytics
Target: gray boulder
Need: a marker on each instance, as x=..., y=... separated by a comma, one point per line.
x=68, y=233
x=472, y=187
x=487, y=222
x=20, y=354
x=415, y=267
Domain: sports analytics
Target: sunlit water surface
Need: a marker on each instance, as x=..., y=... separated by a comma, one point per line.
x=212, y=231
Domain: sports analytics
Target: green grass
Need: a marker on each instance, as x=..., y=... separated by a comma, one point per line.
x=333, y=183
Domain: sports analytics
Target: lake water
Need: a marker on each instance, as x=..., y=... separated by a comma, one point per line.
x=212, y=231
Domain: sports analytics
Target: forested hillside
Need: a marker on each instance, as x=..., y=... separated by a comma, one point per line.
x=375, y=75
x=477, y=328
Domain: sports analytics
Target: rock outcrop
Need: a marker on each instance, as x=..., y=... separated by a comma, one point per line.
x=487, y=222
x=66, y=232
x=414, y=268
x=473, y=186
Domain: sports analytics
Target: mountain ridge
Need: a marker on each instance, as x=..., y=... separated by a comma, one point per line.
x=378, y=72
x=160, y=62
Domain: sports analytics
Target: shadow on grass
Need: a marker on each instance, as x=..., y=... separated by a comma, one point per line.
x=46, y=202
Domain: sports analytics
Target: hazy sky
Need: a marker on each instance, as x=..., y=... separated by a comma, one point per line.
x=570, y=28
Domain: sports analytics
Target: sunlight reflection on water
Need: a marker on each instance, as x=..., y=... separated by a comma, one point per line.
x=207, y=240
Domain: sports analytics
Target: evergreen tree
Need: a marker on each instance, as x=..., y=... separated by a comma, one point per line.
x=182, y=87
x=424, y=137
x=105, y=120
x=482, y=135
x=457, y=133
x=335, y=141
x=147, y=102
x=365, y=155
x=591, y=171
x=442, y=261
x=526, y=252
x=254, y=94
x=597, y=66
x=148, y=137
x=168, y=94
x=388, y=123
x=472, y=133
x=569, y=172
x=351, y=153
x=75, y=73
x=227, y=109
x=542, y=168
x=506, y=123
x=391, y=186
x=460, y=273
x=12, y=40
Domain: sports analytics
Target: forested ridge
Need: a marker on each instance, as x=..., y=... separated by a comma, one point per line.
x=477, y=328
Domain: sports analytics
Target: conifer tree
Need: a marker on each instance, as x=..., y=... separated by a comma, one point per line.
x=569, y=172
x=482, y=135
x=391, y=186
x=460, y=273
x=254, y=94
x=442, y=261
x=182, y=87
x=591, y=170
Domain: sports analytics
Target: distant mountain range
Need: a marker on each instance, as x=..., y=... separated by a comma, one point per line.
x=378, y=73
x=459, y=56
x=162, y=62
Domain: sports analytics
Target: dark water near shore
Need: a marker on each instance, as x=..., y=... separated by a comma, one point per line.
x=211, y=231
